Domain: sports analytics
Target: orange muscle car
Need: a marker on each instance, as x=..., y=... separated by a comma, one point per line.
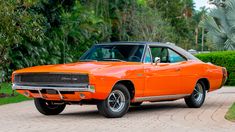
x=114, y=76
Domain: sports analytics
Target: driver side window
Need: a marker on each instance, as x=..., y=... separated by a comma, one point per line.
x=160, y=52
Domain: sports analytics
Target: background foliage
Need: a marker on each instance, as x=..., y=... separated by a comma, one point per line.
x=220, y=23
x=225, y=59
x=39, y=32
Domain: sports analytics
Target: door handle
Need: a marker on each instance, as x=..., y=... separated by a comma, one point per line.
x=148, y=70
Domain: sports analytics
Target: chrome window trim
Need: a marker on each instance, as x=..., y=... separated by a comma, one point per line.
x=122, y=43
x=141, y=60
x=143, y=55
x=148, y=49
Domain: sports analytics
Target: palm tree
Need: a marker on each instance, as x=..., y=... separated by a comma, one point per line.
x=220, y=24
x=198, y=17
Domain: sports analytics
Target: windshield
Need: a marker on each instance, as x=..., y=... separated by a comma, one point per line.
x=131, y=53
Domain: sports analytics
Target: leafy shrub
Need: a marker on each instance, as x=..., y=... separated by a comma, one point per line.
x=225, y=59
x=54, y=32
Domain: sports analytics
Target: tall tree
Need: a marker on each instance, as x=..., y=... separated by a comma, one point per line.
x=133, y=20
x=178, y=14
x=47, y=32
x=197, y=18
x=17, y=27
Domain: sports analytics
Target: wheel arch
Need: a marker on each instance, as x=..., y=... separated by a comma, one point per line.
x=129, y=85
x=206, y=83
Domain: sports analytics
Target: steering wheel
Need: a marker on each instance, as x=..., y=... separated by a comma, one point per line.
x=134, y=58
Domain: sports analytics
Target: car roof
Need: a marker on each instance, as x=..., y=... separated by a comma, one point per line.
x=167, y=44
x=131, y=42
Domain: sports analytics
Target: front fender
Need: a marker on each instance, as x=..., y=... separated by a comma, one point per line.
x=105, y=80
x=103, y=86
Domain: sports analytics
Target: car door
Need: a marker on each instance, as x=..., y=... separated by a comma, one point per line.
x=163, y=78
x=184, y=80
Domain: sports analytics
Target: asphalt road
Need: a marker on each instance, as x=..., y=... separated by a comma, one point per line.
x=163, y=116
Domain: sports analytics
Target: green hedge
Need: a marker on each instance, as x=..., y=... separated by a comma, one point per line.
x=225, y=59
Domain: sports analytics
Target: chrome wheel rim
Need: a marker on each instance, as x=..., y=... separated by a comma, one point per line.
x=198, y=92
x=116, y=101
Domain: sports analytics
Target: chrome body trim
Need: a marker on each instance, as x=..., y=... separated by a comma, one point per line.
x=143, y=55
x=160, y=98
x=58, y=88
x=145, y=51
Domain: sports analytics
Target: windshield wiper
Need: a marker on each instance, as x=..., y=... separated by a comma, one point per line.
x=86, y=60
x=113, y=60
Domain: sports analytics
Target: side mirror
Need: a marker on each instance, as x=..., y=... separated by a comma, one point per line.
x=157, y=60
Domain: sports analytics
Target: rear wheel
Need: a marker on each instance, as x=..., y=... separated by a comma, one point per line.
x=117, y=103
x=197, y=98
x=47, y=107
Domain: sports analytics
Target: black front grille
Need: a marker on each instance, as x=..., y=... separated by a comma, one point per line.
x=51, y=78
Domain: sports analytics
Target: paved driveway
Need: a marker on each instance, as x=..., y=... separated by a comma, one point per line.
x=163, y=116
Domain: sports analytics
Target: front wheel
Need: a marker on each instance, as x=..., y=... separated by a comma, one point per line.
x=117, y=103
x=197, y=98
x=47, y=107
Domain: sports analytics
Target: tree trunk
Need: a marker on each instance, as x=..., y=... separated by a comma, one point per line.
x=196, y=37
x=203, y=36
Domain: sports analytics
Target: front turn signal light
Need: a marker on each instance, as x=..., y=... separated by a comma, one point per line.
x=92, y=88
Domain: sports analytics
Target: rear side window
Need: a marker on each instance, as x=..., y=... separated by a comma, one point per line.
x=175, y=57
x=166, y=55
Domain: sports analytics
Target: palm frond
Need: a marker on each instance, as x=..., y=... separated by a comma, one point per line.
x=230, y=11
x=220, y=16
x=229, y=44
x=220, y=24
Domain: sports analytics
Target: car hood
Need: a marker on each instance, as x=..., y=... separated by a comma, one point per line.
x=79, y=67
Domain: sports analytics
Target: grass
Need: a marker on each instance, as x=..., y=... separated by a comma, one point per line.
x=6, y=89
x=230, y=115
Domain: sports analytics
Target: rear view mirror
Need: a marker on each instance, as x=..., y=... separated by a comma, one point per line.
x=157, y=60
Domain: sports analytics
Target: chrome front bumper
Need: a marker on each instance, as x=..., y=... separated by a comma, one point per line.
x=89, y=88
x=58, y=88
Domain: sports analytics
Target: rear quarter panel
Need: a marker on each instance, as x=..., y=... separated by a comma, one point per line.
x=192, y=71
x=215, y=75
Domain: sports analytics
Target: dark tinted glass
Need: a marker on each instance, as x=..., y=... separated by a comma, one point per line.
x=160, y=52
x=132, y=53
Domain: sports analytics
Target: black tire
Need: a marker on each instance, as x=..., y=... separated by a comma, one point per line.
x=136, y=104
x=107, y=107
x=47, y=108
x=196, y=100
